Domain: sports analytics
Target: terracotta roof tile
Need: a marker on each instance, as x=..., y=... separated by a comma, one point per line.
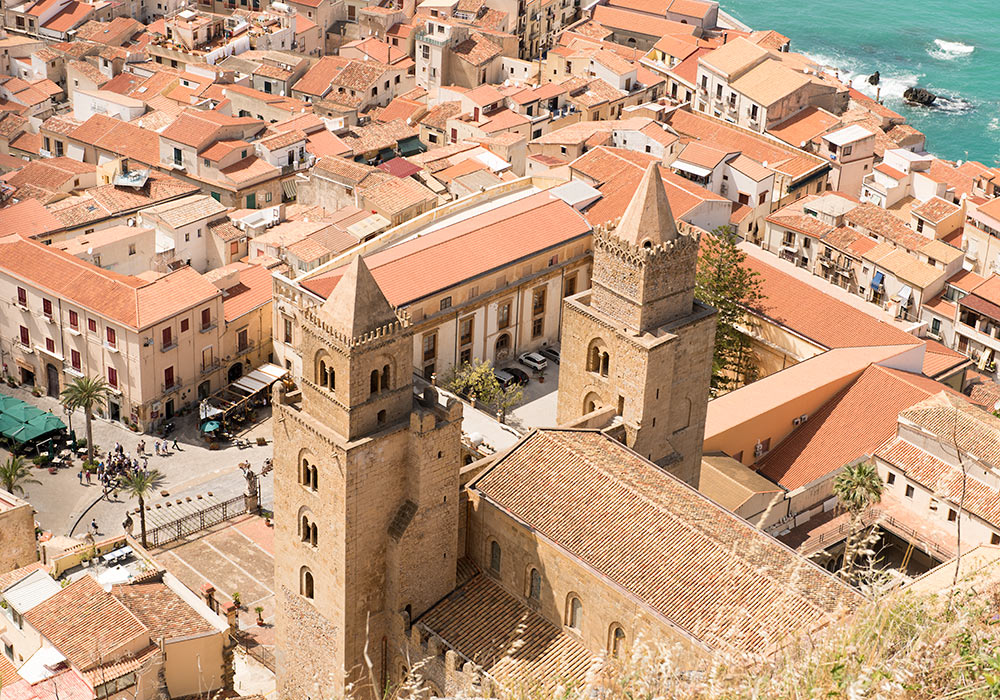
x=479, y=620
x=164, y=613
x=830, y=438
x=86, y=624
x=437, y=260
x=656, y=537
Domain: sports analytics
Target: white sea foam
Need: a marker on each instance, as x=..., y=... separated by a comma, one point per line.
x=994, y=124
x=949, y=50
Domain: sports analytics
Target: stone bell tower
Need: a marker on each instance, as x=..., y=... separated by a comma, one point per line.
x=638, y=342
x=366, y=497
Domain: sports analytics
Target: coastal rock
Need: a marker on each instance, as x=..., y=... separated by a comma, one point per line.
x=919, y=96
x=874, y=78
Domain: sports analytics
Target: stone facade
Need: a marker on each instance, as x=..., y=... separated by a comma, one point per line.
x=17, y=533
x=366, y=496
x=638, y=340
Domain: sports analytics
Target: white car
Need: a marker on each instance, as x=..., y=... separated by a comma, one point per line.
x=533, y=360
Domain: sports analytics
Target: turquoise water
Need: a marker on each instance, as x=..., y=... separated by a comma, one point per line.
x=952, y=48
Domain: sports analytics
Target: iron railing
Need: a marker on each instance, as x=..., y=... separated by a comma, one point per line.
x=195, y=522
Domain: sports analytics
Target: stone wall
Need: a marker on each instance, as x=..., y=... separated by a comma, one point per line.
x=17, y=533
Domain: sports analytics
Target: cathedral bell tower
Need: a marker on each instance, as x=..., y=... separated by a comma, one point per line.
x=366, y=497
x=638, y=344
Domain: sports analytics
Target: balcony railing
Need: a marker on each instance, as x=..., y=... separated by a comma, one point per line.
x=209, y=367
x=173, y=386
x=244, y=349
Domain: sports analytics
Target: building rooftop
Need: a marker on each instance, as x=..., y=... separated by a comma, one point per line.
x=654, y=536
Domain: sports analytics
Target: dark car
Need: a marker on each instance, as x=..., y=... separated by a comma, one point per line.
x=504, y=377
x=519, y=375
x=551, y=354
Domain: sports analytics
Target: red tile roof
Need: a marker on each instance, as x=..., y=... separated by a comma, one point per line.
x=831, y=437
x=489, y=241
x=654, y=536
x=87, y=624
x=254, y=290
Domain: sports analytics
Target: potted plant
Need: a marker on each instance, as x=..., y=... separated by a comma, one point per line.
x=236, y=600
x=260, y=615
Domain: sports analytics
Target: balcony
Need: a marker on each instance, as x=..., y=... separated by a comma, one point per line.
x=244, y=349
x=171, y=346
x=209, y=367
x=27, y=349
x=167, y=388
x=22, y=305
x=207, y=327
x=428, y=38
x=109, y=347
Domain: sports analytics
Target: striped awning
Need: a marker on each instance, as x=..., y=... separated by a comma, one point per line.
x=289, y=188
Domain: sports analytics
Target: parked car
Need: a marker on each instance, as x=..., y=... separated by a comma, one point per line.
x=550, y=354
x=533, y=360
x=520, y=376
x=504, y=378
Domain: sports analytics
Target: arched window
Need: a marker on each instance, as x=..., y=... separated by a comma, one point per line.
x=374, y=382
x=331, y=378
x=305, y=473
x=313, y=535
x=574, y=611
x=313, y=478
x=385, y=378
x=380, y=417
x=306, y=583
x=304, y=530
x=535, y=585
x=495, y=555
x=616, y=643
x=605, y=361
x=594, y=364
x=321, y=373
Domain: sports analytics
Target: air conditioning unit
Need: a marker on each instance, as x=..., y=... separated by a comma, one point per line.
x=800, y=420
x=758, y=450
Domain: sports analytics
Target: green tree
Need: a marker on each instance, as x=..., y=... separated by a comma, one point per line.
x=857, y=487
x=475, y=378
x=724, y=282
x=87, y=393
x=506, y=399
x=140, y=485
x=15, y=475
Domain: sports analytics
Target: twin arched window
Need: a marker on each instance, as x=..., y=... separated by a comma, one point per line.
x=308, y=531
x=598, y=360
x=325, y=376
x=379, y=381
x=308, y=475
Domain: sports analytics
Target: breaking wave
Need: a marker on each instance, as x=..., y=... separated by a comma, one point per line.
x=949, y=50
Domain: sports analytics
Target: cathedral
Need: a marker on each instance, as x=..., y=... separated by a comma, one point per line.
x=395, y=563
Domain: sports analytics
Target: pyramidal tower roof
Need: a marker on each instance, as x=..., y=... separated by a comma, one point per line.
x=357, y=304
x=648, y=216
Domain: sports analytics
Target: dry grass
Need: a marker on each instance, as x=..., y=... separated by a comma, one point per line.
x=901, y=647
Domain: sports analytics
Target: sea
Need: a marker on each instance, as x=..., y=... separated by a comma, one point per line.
x=951, y=48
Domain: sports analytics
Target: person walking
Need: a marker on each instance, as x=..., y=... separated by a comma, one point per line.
x=175, y=445
x=81, y=477
x=156, y=448
x=93, y=526
x=89, y=481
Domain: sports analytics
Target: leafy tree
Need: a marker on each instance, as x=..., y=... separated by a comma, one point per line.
x=140, y=485
x=724, y=282
x=477, y=379
x=15, y=475
x=858, y=487
x=87, y=393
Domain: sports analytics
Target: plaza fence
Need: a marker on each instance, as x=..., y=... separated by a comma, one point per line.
x=197, y=521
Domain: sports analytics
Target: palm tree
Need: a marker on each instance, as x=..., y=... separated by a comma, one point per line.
x=139, y=484
x=15, y=475
x=87, y=393
x=857, y=487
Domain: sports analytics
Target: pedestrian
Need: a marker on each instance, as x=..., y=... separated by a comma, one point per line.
x=93, y=526
x=128, y=524
x=156, y=448
x=81, y=477
x=145, y=463
x=89, y=482
x=141, y=447
x=175, y=445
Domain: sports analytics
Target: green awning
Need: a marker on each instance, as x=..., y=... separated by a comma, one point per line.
x=386, y=154
x=6, y=401
x=8, y=423
x=48, y=423
x=23, y=412
x=411, y=146
x=26, y=433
